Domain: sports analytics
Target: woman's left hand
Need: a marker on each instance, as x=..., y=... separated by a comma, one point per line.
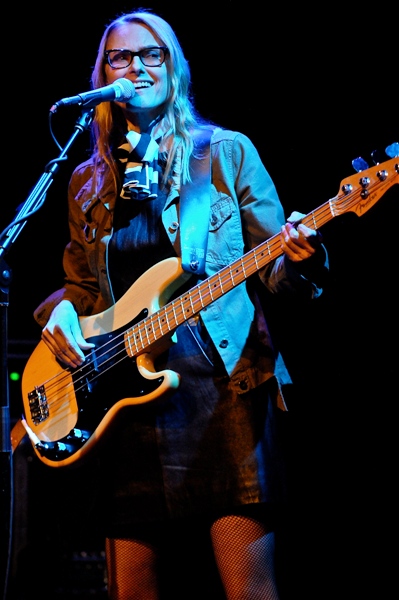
x=298, y=242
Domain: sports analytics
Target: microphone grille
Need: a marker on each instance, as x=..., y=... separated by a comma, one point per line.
x=124, y=89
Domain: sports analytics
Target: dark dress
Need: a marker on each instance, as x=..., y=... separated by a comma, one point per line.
x=204, y=450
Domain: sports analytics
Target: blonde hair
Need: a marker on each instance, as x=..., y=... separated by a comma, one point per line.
x=180, y=116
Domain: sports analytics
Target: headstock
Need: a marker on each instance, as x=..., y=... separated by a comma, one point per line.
x=361, y=191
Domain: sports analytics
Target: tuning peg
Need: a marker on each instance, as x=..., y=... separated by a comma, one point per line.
x=392, y=150
x=359, y=164
x=377, y=157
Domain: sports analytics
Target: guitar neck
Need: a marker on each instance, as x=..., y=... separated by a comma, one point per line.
x=357, y=194
x=164, y=322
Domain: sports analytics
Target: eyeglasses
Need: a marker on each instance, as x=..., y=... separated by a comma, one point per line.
x=150, y=57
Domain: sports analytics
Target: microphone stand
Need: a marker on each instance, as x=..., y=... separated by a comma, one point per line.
x=33, y=203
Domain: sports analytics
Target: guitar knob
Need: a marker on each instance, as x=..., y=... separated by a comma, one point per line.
x=359, y=164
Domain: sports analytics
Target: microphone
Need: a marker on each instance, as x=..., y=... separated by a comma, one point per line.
x=122, y=90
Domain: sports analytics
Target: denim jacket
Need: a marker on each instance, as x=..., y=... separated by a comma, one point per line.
x=245, y=211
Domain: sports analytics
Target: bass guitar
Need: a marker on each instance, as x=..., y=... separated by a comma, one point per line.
x=68, y=411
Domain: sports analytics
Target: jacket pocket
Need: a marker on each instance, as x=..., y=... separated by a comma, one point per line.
x=225, y=242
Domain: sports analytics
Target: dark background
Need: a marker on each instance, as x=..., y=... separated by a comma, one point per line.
x=313, y=89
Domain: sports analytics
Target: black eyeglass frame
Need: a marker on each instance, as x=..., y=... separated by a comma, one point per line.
x=164, y=49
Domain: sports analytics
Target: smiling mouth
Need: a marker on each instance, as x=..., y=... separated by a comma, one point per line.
x=140, y=85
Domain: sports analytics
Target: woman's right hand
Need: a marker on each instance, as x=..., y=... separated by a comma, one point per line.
x=63, y=335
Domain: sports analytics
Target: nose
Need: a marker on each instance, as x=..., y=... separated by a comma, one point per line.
x=136, y=65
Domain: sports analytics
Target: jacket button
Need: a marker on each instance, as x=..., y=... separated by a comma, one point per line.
x=223, y=344
x=174, y=226
x=243, y=385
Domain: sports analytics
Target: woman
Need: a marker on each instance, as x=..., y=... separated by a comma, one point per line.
x=206, y=458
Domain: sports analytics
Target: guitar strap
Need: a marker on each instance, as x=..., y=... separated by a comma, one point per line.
x=195, y=206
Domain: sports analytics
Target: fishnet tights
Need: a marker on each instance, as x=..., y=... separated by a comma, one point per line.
x=244, y=554
x=242, y=549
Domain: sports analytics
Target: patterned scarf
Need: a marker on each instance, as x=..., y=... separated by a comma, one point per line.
x=139, y=154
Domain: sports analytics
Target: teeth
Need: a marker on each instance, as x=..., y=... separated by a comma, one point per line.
x=142, y=84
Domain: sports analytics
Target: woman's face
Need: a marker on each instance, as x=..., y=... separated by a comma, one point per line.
x=151, y=83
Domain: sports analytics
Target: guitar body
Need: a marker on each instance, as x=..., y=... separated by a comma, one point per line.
x=67, y=411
